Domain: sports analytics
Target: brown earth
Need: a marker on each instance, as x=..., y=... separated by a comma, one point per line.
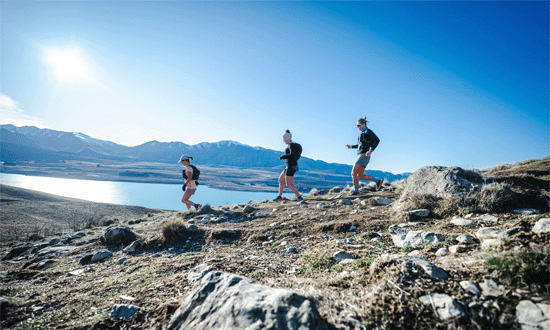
x=384, y=296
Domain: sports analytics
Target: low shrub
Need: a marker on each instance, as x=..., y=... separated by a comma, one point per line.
x=173, y=231
x=527, y=269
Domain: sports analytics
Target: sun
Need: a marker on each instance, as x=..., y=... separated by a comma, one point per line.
x=68, y=64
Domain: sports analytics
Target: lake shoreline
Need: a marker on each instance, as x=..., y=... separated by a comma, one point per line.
x=223, y=178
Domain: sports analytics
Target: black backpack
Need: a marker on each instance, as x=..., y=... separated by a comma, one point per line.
x=196, y=173
x=298, y=149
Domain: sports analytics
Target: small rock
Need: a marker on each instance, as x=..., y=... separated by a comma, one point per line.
x=489, y=233
x=463, y=222
x=345, y=201
x=488, y=217
x=124, y=311
x=132, y=247
x=192, y=228
x=98, y=256
x=526, y=211
x=442, y=252
x=290, y=250
x=345, y=240
x=342, y=255
x=121, y=260
x=77, y=272
x=457, y=249
x=428, y=267
x=422, y=213
x=44, y=263
x=284, y=243
x=471, y=287
x=533, y=316
x=444, y=306
x=248, y=209
x=383, y=200
x=465, y=239
x=353, y=228
x=126, y=298
x=542, y=226
x=491, y=287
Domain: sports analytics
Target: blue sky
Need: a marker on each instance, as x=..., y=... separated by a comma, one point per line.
x=441, y=83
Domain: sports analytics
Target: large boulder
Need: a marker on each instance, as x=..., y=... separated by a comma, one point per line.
x=116, y=236
x=224, y=301
x=438, y=181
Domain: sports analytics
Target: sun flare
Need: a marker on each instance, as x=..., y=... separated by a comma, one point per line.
x=68, y=64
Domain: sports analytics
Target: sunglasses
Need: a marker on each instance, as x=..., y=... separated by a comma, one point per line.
x=359, y=125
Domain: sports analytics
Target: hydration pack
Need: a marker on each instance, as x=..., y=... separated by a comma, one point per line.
x=298, y=149
x=196, y=173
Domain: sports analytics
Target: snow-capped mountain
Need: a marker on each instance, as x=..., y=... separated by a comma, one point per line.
x=31, y=143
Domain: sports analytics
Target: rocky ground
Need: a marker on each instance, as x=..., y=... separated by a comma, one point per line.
x=393, y=259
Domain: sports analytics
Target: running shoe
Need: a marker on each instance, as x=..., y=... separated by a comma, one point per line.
x=198, y=207
x=278, y=199
x=299, y=198
x=379, y=185
x=355, y=193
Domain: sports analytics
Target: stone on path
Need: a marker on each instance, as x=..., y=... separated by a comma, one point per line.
x=444, y=306
x=404, y=237
x=442, y=252
x=224, y=301
x=542, y=226
x=491, y=287
x=465, y=239
x=488, y=217
x=533, y=316
x=342, y=256
x=463, y=222
x=471, y=287
x=383, y=200
x=124, y=311
x=100, y=255
x=422, y=213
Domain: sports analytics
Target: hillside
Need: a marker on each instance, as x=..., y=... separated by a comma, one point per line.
x=382, y=260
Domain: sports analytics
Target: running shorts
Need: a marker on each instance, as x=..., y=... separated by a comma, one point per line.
x=362, y=160
x=289, y=171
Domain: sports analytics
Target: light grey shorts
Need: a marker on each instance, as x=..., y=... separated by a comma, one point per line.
x=362, y=160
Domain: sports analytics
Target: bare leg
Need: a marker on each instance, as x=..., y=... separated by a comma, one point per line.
x=361, y=174
x=185, y=200
x=289, y=184
x=357, y=173
x=282, y=183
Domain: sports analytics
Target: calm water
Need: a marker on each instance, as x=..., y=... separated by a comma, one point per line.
x=151, y=195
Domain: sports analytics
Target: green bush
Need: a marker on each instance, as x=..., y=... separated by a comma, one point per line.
x=527, y=269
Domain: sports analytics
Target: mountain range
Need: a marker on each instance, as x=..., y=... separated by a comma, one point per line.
x=29, y=143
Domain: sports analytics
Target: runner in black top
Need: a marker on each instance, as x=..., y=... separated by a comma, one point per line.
x=367, y=142
x=291, y=160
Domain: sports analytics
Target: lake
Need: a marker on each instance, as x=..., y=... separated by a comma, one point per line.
x=150, y=195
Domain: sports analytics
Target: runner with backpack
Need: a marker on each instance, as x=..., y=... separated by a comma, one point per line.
x=293, y=152
x=366, y=143
x=190, y=175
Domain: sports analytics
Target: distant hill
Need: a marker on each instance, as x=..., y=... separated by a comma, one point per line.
x=31, y=143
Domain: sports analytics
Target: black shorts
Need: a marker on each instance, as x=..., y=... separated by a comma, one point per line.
x=289, y=171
